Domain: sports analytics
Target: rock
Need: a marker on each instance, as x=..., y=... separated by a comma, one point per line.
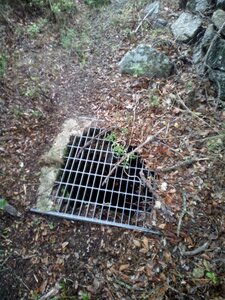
x=198, y=5
x=216, y=63
x=146, y=61
x=186, y=27
x=218, y=18
x=219, y=78
x=152, y=9
x=220, y=4
x=201, y=49
x=216, y=57
x=12, y=210
x=160, y=23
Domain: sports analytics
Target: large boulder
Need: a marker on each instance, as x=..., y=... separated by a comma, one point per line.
x=218, y=18
x=198, y=5
x=146, y=61
x=186, y=27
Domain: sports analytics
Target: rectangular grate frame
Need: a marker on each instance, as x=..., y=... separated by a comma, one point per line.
x=79, y=193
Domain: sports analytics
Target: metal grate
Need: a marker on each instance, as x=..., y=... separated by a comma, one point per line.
x=79, y=193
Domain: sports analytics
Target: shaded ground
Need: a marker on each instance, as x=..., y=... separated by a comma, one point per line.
x=45, y=84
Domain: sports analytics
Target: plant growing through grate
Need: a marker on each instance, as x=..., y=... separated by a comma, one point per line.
x=79, y=192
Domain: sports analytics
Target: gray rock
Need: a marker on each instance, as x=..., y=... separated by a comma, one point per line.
x=216, y=64
x=201, y=49
x=160, y=23
x=186, y=27
x=146, y=61
x=198, y=5
x=216, y=57
x=152, y=9
x=220, y=4
x=219, y=78
x=218, y=18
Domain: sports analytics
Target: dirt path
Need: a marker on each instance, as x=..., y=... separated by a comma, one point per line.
x=86, y=260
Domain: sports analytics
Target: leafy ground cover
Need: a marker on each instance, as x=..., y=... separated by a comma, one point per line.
x=48, y=75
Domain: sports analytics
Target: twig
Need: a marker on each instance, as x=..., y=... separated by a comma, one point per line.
x=91, y=140
x=146, y=181
x=150, y=12
x=180, y=101
x=184, y=211
x=197, y=250
x=217, y=35
x=185, y=163
x=149, y=139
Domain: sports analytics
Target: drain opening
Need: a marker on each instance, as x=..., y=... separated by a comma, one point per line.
x=79, y=192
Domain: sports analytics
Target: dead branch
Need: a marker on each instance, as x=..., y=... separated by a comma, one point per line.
x=214, y=40
x=186, y=163
x=195, y=115
x=91, y=140
x=184, y=211
x=146, y=182
x=149, y=139
x=150, y=12
x=197, y=250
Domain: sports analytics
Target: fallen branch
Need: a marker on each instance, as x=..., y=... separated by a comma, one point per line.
x=197, y=250
x=180, y=101
x=186, y=163
x=150, y=12
x=214, y=40
x=91, y=140
x=184, y=211
x=148, y=140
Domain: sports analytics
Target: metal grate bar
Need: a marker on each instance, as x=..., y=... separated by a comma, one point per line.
x=123, y=201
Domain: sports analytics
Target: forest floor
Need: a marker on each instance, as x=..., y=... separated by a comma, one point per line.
x=56, y=74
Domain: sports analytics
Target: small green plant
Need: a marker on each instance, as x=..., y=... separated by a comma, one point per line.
x=216, y=144
x=118, y=149
x=111, y=137
x=154, y=101
x=68, y=38
x=34, y=29
x=137, y=70
x=51, y=225
x=213, y=278
x=85, y=296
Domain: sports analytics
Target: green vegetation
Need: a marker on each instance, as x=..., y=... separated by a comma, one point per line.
x=3, y=64
x=34, y=29
x=120, y=150
x=75, y=43
x=96, y=3
x=3, y=204
x=137, y=70
x=58, y=8
x=213, y=278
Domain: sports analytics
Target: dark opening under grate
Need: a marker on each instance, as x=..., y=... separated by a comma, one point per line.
x=79, y=193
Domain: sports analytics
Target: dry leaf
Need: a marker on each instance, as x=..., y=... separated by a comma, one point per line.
x=124, y=267
x=145, y=243
x=137, y=243
x=64, y=244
